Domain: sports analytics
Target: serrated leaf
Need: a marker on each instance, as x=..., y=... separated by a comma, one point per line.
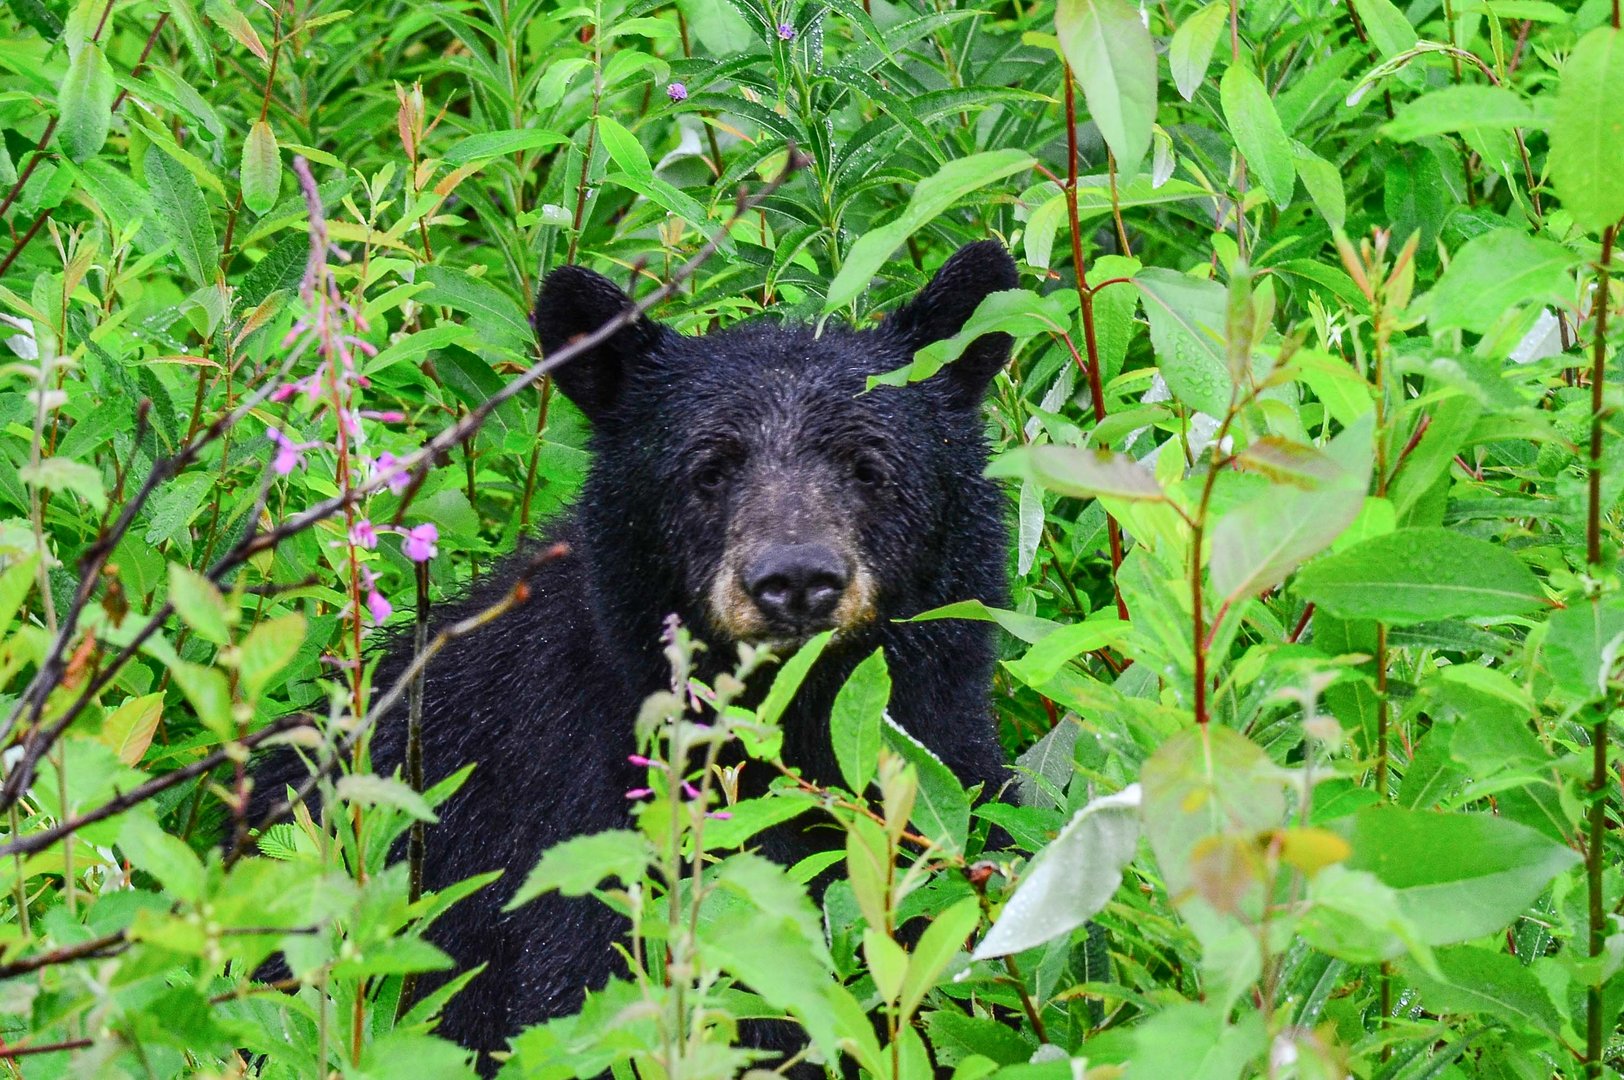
x=261, y=168
x=179, y=202
x=1113, y=59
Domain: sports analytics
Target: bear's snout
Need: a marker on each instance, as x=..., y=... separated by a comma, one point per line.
x=797, y=587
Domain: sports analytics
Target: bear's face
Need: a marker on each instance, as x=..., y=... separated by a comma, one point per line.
x=755, y=476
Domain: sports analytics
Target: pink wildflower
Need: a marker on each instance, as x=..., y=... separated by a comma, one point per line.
x=363, y=535
x=639, y=793
x=420, y=540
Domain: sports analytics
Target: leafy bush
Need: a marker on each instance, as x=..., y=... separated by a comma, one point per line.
x=1312, y=444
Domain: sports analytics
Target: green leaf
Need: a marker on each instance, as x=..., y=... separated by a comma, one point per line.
x=941, y=811
x=1190, y=52
x=1114, y=60
x=1389, y=30
x=581, y=863
x=854, y=722
x=1044, y=660
x=1472, y=979
x=1196, y=1042
x=940, y=942
x=1072, y=879
x=366, y=789
x=1079, y=473
x=1017, y=312
x=1323, y=182
x=1456, y=108
x=1258, y=132
x=1588, y=129
x=165, y=857
x=128, y=729
x=261, y=168
x=1583, y=647
x=1187, y=321
x=492, y=144
x=185, y=215
x=1496, y=272
x=268, y=648
x=65, y=474
x=931, y=197
x=789, y=678
x=624, y=149
x=1256, y=545
x=494, y=314
x=86, y=103
x=1422, y=574
x=1458, y=876
x=199, y=604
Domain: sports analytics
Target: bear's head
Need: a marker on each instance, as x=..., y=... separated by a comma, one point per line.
x=748, y=481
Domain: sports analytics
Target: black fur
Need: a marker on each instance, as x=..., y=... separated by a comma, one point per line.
x=544, y=699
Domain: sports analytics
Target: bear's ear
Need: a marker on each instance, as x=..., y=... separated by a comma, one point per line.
x=943, y=307
x=574, y=302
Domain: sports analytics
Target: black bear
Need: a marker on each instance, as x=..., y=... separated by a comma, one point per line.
x=744, y=481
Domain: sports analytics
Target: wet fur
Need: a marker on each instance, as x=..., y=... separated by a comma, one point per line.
x=543, y=700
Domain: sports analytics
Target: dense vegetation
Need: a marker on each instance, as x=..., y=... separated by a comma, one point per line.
x=1313, y=455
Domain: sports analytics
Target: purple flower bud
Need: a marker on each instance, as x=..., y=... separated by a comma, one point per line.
x=689, y=791
x=419, y=546
x=381, y=608
x=786, y=32
x=639, y=793
x=363, y=535
x=677, y=92
x=639, y=760
x=720, y=815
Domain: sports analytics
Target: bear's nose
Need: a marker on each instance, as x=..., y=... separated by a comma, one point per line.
x=797, y=584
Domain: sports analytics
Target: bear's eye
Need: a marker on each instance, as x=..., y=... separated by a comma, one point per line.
x=868, y=472
x=710, y=478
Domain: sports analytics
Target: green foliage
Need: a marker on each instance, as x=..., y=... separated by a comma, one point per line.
x=1311, y=672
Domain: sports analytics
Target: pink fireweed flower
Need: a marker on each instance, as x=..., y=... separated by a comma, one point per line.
x=689, y=791
x=639, y=793
x=720, y=815
x=639, y=760
x=390, y=416
x=388, y=466
x=377, y=604
x=420, y=540
x=363, y=535
x=289, y=454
